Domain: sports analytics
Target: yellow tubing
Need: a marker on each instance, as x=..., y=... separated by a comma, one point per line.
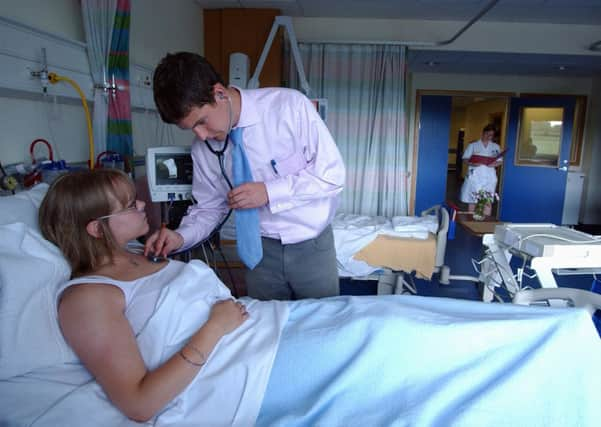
x=55, y=78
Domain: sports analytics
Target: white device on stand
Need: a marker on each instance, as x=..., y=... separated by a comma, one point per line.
x=551, y=249
x=239, y=69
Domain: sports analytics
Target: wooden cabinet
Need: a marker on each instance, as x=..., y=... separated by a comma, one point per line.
x=243, y=30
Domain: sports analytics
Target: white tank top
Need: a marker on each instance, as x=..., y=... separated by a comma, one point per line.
x=167, y=307
x=141, y=295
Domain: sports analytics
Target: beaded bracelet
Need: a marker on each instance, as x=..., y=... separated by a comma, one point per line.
x=197, y=351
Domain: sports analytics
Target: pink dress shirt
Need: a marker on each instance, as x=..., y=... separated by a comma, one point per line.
x=290, y=149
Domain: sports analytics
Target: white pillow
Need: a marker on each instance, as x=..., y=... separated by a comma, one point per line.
x=31, y=269
x=23, y=206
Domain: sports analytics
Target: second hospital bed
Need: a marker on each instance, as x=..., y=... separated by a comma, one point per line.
x=389, y=250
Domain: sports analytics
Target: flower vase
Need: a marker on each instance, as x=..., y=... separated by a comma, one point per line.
x=478, y=214
x=487, y=209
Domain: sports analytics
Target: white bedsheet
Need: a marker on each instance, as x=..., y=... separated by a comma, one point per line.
x=396, y=360
x=363, y=361
x=228, y=390
x=353, y=232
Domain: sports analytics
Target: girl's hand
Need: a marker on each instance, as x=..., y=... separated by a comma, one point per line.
x=226, y=316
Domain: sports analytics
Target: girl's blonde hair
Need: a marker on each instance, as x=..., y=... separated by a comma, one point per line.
x=75, y=199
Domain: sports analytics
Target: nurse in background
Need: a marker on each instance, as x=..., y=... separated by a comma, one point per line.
x=480, y=176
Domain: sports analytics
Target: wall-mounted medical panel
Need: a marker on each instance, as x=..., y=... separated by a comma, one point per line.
x=22, y=52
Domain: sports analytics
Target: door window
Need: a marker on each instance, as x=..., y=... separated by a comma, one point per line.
x=539, y=140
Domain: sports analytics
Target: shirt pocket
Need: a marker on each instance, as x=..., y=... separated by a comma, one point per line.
x=281, y=167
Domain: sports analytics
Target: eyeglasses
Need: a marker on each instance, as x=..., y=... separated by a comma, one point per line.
x=124, y=211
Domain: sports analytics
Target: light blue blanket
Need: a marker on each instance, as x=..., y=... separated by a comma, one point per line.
x=413, y=361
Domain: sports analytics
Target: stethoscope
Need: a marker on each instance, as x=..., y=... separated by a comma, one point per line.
x=220, y=153
x=220, y=156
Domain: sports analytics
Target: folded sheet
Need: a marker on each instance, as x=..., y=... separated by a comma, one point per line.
x=409, y=224
x=354, y=234
x=400, y=254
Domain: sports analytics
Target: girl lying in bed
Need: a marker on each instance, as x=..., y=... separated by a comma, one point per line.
x=165, y=341
x=91, y=216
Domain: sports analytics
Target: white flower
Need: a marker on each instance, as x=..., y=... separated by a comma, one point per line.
x=484, y=197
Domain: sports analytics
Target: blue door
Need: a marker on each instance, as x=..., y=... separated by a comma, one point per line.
x=432, y=151
x=534, y=190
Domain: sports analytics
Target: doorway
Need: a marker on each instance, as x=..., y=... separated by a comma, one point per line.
x=531, y=183
x=446, y=122
x=469, y=115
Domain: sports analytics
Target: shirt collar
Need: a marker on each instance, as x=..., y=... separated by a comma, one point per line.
x=248, y=114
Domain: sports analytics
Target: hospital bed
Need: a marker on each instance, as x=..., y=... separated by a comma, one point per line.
x=391, y=250
x=345, y=361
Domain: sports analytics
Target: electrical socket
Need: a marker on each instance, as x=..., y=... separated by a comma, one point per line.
x=143, y=80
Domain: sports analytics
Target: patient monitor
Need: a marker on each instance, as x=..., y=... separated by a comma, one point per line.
x=169, y=171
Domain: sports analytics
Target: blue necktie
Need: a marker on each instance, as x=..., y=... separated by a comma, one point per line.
x=248, y=234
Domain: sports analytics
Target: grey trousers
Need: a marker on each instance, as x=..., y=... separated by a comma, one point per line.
x=295, y=271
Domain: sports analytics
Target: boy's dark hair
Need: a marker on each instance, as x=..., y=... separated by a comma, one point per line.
x=181, y=81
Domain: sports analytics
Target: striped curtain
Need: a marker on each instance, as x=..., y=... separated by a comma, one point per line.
x=365, y=86
x=119, y=129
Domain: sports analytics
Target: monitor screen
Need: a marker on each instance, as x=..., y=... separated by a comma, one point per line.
x=173, y=169
x=169, y=170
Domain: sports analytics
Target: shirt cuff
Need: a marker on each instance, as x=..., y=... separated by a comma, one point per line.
x=189, y=234
x=279, y=198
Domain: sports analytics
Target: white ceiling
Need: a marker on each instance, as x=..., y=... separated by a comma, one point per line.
x=584, y=12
